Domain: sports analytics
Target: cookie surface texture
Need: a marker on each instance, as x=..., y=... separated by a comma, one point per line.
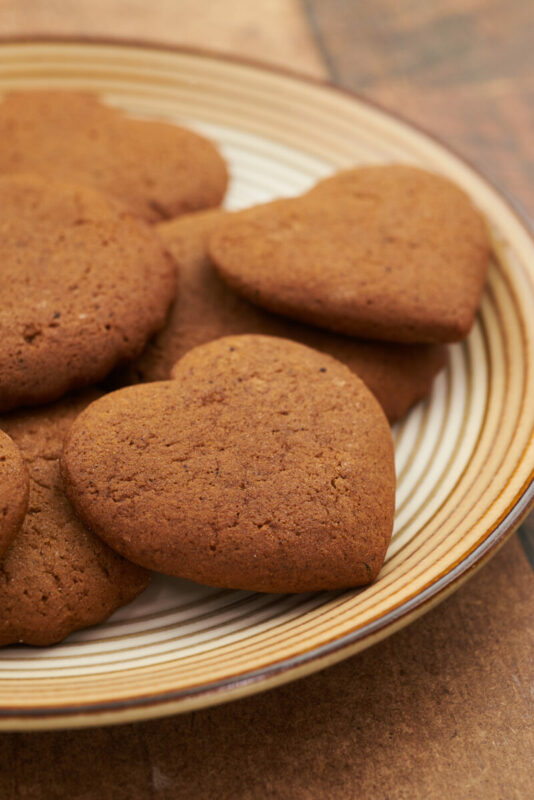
x=56, y=577
x=399, y=375
x=382, y=252
x=14, y=489
x=156, y=169
x=263, y=465
x=84, y=285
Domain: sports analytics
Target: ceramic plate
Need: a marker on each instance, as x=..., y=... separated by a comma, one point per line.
x=464, y=457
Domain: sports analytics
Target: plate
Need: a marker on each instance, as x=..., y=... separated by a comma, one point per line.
x=464, y=457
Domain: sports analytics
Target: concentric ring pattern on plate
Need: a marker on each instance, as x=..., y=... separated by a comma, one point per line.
x=464, y=456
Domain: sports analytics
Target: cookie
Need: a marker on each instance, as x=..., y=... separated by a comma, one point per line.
x=56, y=577
x=399, y=375
x=14, y=488
x=263, y=465
x=382, y=252
x=158, y=170
x=84, y=285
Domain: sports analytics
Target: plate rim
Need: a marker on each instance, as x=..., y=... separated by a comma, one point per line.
x=250, y=682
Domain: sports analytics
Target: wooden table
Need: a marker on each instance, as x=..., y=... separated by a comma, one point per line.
x=444, y=708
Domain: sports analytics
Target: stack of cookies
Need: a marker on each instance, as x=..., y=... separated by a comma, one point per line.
x=202, y=393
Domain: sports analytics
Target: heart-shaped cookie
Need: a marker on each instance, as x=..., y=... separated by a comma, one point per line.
x=14, y=489
x=384, y=252
x=84, y=284
x=157, y=170
x=206, y=308
x=263, y=465
x=56, y=576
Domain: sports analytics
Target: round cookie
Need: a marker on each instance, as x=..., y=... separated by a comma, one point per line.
x=399, y=375
x=14, y=489
x=383, y=252
x=84, y=285
x=158, y=170
x=56, y=576
x=263, y=465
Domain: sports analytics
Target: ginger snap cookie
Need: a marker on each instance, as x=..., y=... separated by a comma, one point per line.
x=384, y=252
x=156, y=169
x=56, y=577
x=263, y=465
x=84, y=285
x=399, y=375
x=14, y=488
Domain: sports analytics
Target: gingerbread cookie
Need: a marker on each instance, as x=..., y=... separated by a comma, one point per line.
x=84, y=285
x=263, y=465
x=56, y=576
x=156, y=169
x=383, y=252
x=14, y=488
x=399, y=375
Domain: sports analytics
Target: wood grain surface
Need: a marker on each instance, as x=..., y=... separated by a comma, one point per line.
x=440, y=710
x=444, y=708
x=273, y=30
x=462, y=69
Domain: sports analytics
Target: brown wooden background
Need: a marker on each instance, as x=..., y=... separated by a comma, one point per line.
x=444, y=708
